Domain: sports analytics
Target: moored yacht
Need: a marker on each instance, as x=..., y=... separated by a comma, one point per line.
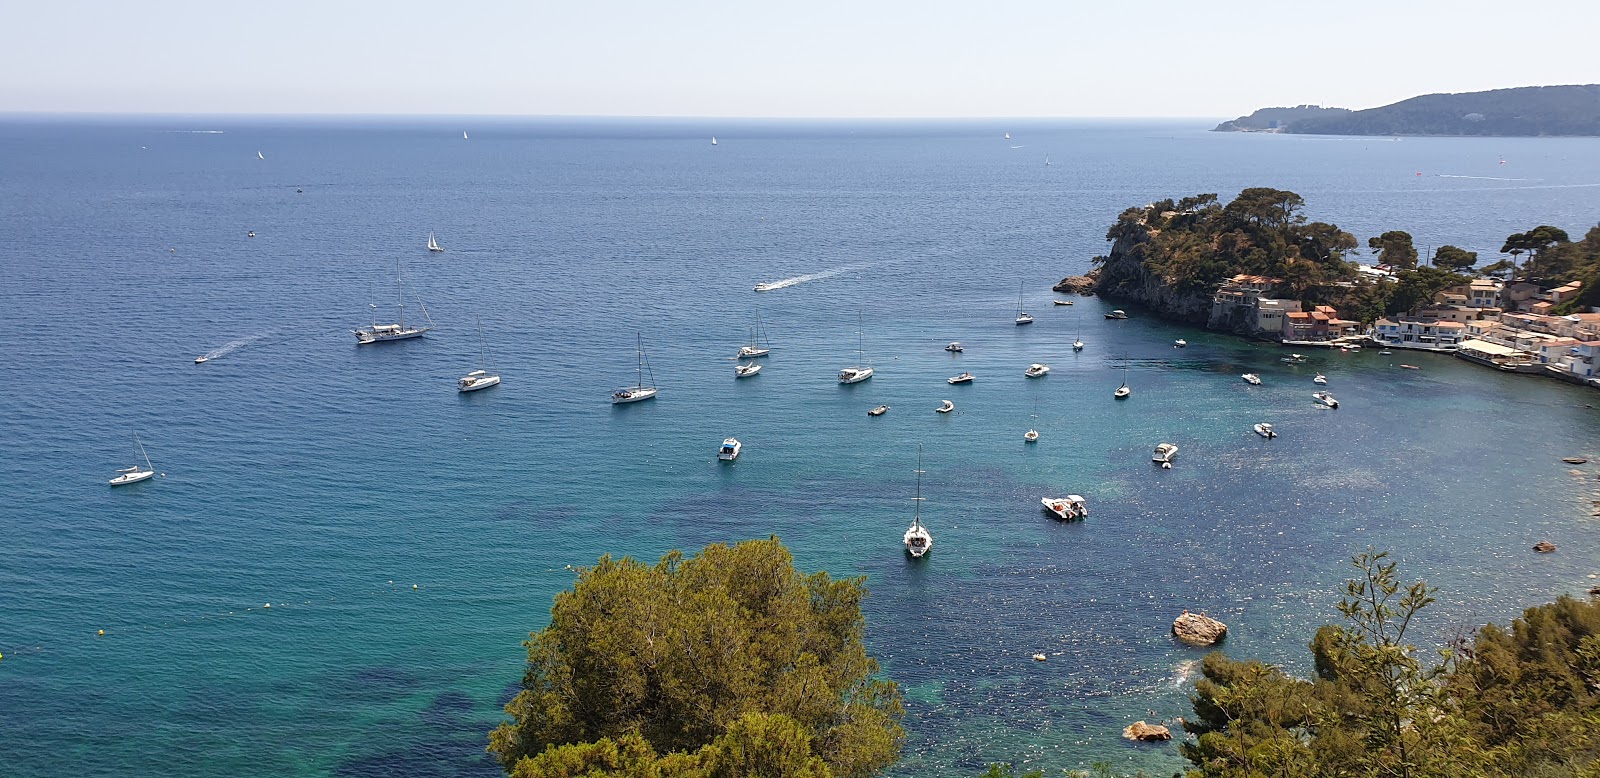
x=1117, y=314
x=638, y=392
x=855, y=374
x=381, y=333
x=1320, y=379
x=1165, y=453
x=730, y=450
x=1036, y=369
x=477, y=379
x=1180, y=343
x=133, y=473
x=1023, y=317
x=1123, y=391
x=1031, y=436
x=759, y=345
x=1069, y=508
x=1251, y=379
x=964, y=378
x=1325, y=398
x=918, y=540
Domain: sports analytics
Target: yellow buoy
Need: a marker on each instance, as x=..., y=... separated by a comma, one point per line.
x=101, y=632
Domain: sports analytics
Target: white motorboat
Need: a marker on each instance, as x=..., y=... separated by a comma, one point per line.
x=200, y=360
x=1385, y=353
x=1117, y=314
x=1123, y=391
x=1069, y=508
x=730, y=450
x=964, y=378
x=1023, y=317
x=1062, y=302
x=759, y=345
x=1180, y=343
x=250, y=234
x=382, y=333
x=1320, y=379
x=918, y=540
x=433, y=244
x=477, y=379
x=134, y=474
x=1325, y=398
x=1031, y=436
x=1165, y=453
x=767, y=287
x=1036, y=369
x=1410, y=367
x=1251, y=379
x=856, y=373
x=746, y=370
x=878, y=411
x=638, y=392
x=945, y=406
x=1295, y=359
x=954, y=347
x=482, y=378
x=1265, y=430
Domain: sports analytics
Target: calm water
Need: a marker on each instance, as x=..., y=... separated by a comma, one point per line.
x=328, y=480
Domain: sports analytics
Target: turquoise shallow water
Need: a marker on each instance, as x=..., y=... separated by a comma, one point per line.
x=328, y=480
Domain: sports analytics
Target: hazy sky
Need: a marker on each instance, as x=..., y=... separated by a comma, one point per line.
x=814, y=58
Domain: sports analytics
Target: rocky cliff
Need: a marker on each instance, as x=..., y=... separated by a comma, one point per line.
x=1124, y=276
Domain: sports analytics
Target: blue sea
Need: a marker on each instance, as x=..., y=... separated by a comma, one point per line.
x=408, y=538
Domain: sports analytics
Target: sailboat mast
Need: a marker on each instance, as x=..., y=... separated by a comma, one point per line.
x=142, y=452
x=916, y=519
x=400, y=294
x=638, y=353
x=483, y=354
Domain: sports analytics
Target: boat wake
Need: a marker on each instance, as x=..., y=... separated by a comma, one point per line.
x=788, y=282
x=1183, y=672
x=234, y=345
x=1489, y=178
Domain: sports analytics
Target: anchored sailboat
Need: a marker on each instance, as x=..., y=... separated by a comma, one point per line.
x=856, y=373
x=132, y=474
x=638, y=391
x=1124, y=390
x=759, y=345
x=482, y=378
x=380, y=333
x=1023, y=317
x=918, y=539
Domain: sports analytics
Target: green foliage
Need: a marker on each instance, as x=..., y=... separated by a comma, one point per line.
x=1416, y=288
x=729, y=662
x=1523, y=701
x=1394, y=248
x=1454, y=258
x=1000, y=770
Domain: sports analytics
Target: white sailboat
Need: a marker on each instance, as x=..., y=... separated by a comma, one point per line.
x=856, y=373
x=133, y=474
x=1077, y=341
x=1123, y=391
x=638, y=391
x=746, y=369
x=433, y=243
x=464, y=135
x=759, y=345
x=713, y=140
x=918, y=540
x=259, y=155
x=1023, y=317
x=1047, y=160
x=380, y=333
x=1008, y=136
x=482, y=378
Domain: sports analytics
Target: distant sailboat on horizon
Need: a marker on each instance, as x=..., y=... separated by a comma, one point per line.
x=464, y=135
x=1008, y=136
x=433, y=243
x=259, y=155
x=713, y=140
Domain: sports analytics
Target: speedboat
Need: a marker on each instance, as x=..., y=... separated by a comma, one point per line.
x=730, y=450
x=1320, y=379
x=1180, y=343
x=1411, y=367
x=1251, y=379
x=964, y=378
x=478, y=379
x=199, y=360
x=854, y=375
x=1031, y=436
x=1062, y=302
x=1024, y=318
x=954, y=347
x=745, y=371
x=945, y=406
x=1325, y=398
x=768, y=287
x=1036, y=369
x=1265, y=430
x=1164, y=454
x=1295, y=359
x=878, y=411
x=1069, y=508
x=1117, y=314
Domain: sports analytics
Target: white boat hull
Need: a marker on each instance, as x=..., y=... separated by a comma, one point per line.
x=132, y=478
x=1036, y=371
x=363, y=337
x=854, y=375
x=746, y=371
x=638, y=394
x=945, y=407
x=918, y=542
x=1024, y=319
x=477, y=384
x=747, y=352
x=730, y=450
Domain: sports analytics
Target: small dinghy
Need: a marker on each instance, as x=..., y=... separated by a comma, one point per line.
x=1180, y=343
x=878, y=411
x=1410, y=367
x=945, y=406
x=1062, y=302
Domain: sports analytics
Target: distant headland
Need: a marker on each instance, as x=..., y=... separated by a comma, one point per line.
x=1523, y=111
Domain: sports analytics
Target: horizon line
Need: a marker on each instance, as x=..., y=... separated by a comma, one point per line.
x=653, y=117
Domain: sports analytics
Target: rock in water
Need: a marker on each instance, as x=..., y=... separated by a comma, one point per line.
x=1198, y=629
x=1079, y=284
x=1139, y=730
x=1544, y=547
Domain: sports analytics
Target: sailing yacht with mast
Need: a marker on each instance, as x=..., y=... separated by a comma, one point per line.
x=132, y=474
x=380, y=333
x=1123, y=391
x=759, y=345
x=1023, y=317
x=433, y=243
x=918, y=540
x=638, y=391
x=482, y=378
x=855, y=374
x=1077, y=341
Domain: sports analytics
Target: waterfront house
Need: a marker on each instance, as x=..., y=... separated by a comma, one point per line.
x=1479, y=293
x=1270, y=313
x=1564, y=292
x=1237, y=303
x=1419, y=333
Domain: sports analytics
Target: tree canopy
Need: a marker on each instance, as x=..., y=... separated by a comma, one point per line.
x=1394, y=248
x=1523, y=701
x=727, y=663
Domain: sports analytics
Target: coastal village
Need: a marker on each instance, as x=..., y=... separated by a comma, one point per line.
x=1505, y=326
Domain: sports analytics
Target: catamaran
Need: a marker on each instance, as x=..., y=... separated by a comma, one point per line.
x=133, y=474
x=918, y=540
x=433, y=243
x=380, y=333
x=855, y=374
x=638, y=391
x=481, y=378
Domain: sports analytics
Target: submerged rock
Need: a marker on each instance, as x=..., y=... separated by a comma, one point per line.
x=1198, y=629
x=1544, y=547
x=1139, y=730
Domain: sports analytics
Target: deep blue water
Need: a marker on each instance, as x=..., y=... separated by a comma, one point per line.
x=327, y=480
